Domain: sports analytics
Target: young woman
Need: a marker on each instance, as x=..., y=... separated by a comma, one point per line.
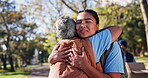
x=86, y=26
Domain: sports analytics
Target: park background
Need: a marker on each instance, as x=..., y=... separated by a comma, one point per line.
x=27, y=29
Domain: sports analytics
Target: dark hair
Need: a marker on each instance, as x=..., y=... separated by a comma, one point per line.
x=92, y=12
x=123, y=42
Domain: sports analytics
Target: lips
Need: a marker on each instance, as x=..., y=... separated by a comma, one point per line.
x=83, y=31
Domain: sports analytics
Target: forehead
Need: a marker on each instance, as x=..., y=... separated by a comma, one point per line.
x=85, y=15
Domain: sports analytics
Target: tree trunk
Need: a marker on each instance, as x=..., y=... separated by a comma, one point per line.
x=11, y=63
x=142, y=51
x=24, y=61
x=144, y=9
x=3, y=58
x=16, y=63
x=134, y=50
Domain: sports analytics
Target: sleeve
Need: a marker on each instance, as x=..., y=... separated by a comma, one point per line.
x=114, y=61
x=100, y=42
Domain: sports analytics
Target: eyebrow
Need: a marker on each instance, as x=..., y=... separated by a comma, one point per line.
x=84, y=19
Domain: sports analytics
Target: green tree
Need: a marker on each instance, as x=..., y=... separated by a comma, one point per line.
x=116, y=14
x=6, y=15
x=129, y=17
x=50, y=42
x=17, y=30
x=2, y=52
x=135, y=41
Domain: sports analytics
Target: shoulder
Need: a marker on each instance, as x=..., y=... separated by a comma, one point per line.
x=101, y=34
x=104, y=31
x=116, y=45
x=102, y=38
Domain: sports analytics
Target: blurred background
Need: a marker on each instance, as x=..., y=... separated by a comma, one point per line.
x=27, y=29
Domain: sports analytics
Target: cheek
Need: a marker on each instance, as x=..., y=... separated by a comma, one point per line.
x=77, y=27
x=94, y=28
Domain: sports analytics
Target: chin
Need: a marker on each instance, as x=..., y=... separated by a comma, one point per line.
x=84, y=36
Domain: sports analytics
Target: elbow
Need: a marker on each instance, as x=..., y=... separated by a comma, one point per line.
x=119, y=29
x=116, y=32
x=49, y=59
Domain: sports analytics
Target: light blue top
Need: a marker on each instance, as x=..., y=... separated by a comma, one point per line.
x=114, y=61
x=101, y=42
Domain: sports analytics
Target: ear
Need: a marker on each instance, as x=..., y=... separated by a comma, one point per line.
x=97, y=26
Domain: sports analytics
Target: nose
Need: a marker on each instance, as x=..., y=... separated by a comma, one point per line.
x=83, y=25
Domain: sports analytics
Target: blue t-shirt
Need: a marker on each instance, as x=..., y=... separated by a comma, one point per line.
x=101, y=42
x=114, y=61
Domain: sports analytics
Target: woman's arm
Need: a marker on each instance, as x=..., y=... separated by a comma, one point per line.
x=59, y=55
x=80, y=61
x=115, y=31
x=93, y=73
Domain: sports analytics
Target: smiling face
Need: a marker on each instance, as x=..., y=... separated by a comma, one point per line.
x=86, y=25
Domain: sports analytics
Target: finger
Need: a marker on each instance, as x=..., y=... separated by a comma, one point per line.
x=56, y=47
x=67, y=61
x=70, y=58
x=64, y=48
x=83, y=52
x=61, y=60
x=74, y=52
x=65, y=56
x=66, y=52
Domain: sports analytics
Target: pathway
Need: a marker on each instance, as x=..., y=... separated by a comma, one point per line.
x=39, y=72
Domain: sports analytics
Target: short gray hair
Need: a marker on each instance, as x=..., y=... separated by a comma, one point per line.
x=65, y=27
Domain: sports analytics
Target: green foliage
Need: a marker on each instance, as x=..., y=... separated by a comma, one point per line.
x=50, y=42
x=134, y=33
x=124, y=16
x=129, y=18
x=19, y=36
x=115, y=14
x=110, y=15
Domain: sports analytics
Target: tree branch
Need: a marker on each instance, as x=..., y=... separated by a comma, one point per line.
x=69, y=6
x=84, y=4
x=5, y=24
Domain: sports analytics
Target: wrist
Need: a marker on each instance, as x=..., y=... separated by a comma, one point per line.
x=86, y=67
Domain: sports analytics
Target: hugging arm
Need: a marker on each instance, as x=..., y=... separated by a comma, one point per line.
x=115, y=31
x=59, y=55
x=81, y=62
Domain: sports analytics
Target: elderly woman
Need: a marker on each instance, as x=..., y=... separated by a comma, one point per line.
x=65, y=29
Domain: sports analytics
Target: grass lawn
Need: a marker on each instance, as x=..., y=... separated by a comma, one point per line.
x=19, y=72
x=142, y=59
